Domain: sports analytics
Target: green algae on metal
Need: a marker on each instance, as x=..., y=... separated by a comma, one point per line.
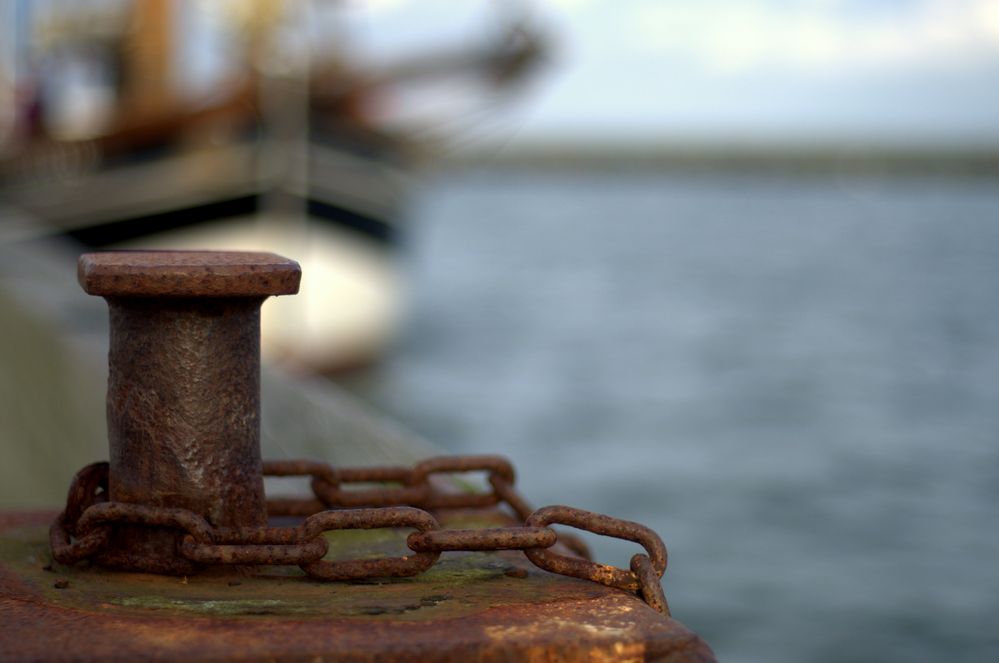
x=471, y=606
x=459, y=584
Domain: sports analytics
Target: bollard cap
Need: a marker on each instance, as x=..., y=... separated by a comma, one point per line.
x=187, y=274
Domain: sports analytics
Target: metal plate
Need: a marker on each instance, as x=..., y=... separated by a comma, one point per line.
x=470, y=606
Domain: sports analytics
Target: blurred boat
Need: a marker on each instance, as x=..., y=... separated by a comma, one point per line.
x=283, y=155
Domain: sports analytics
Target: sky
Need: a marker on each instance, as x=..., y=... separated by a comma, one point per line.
x=884, y=72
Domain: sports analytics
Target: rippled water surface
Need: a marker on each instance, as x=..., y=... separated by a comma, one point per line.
x=795, y=381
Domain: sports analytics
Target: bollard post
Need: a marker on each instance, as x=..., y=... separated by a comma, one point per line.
x=183, y=405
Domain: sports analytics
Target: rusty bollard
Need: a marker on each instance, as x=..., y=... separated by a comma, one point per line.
x=184, y=487
x=183, y=405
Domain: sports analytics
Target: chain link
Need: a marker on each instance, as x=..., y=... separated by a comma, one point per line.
x=255, y=545
x=88, y=487
x=598, y=524
x=498, y=538
x=650, y=586
x=386, y=567
x=83, y=529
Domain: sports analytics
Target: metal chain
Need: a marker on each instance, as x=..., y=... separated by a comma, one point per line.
x=83, y=529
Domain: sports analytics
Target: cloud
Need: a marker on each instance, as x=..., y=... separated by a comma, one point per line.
x=826, y=35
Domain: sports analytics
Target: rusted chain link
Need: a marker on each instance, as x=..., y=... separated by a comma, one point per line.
x=598, y=524
x=148, y=516
x=89, y=486
x=386, y=567
x=265, y=545
x=508, y=494
x=417, y=489
x=499, y=538
x=66, y=552
x=83, y=530
x=650, y=586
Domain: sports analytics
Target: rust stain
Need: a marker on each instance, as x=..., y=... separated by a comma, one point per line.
x=468, y=607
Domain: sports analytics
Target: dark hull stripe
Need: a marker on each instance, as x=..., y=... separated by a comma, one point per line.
x=368, y=226
x=123, y=230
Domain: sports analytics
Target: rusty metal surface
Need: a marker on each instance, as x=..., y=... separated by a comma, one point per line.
x=184, y=411
x=187, y=274
x=470, y=606
x=183, y=404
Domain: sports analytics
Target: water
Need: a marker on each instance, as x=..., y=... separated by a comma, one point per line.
x=795, y=381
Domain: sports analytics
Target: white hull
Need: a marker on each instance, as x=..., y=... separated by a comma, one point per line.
x=349, y=303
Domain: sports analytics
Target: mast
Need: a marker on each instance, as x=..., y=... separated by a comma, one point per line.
x=148, y=58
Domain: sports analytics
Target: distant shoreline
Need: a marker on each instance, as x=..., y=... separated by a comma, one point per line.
x=844, y=161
